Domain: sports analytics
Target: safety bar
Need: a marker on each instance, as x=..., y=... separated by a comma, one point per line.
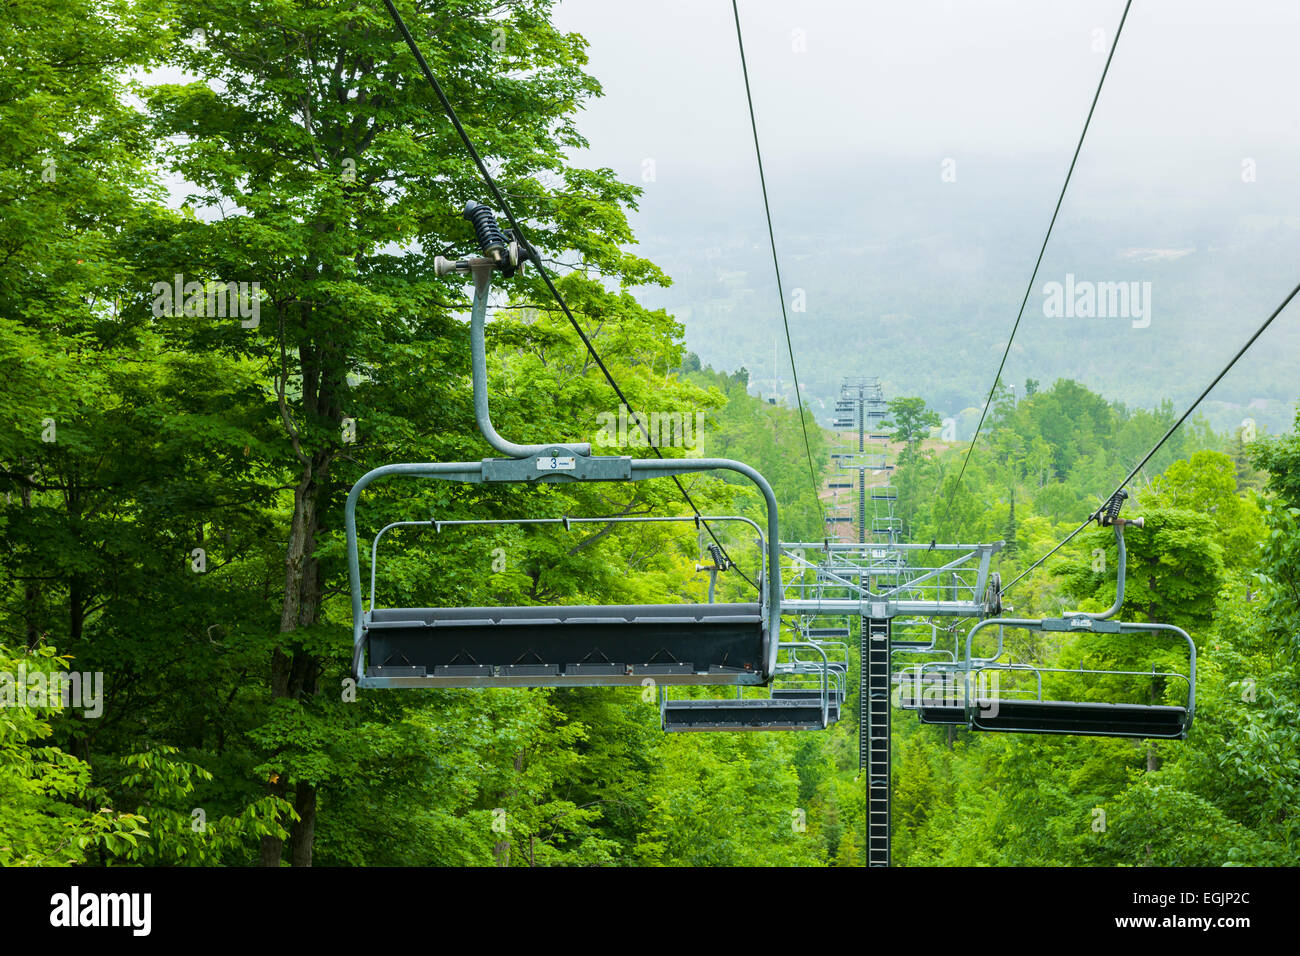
x=438, y=525
x=1040, y=671
x=825, y=673
x=949, y=672
x=824, y=646
x=971, y=663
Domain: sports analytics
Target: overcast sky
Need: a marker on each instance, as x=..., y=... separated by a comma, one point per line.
x=859, y=106
x=1193, y=83
x=860, y=103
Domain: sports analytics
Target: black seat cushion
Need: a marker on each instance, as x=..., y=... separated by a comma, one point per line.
x=570, y=642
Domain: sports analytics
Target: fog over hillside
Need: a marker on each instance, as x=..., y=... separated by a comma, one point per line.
x=913, y=160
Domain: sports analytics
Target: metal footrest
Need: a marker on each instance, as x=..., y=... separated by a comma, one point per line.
x=1076, y=718
x=1081, y=718
x=941, y=714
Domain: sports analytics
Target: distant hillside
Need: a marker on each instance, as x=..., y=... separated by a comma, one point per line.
x=918, y=281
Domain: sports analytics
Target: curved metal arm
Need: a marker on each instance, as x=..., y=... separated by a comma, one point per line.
x=374, y=550
x=482, y=272
x=1119, y=580
x=448, y=471
x=1092, y=615
x=1037, y=671
x=824, y=646
x=825, y=672
x=1191, y=650
x=1031, y=623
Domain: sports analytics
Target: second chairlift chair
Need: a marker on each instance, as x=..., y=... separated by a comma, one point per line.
x=959, y=693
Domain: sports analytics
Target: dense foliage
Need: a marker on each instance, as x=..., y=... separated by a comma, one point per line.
x=1216, y=557
x=174, y=482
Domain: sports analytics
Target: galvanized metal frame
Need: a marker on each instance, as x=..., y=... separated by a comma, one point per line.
x=523, y=466
x=830, y=681
x=638, y=469
x=439, y=524
x=1077, y=624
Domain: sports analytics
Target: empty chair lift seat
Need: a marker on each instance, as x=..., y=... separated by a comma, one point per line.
x=1084, y=718
x=566, y=646
x=1081, y=717
x=759, y=713
x=788, y=708
x=813, y=695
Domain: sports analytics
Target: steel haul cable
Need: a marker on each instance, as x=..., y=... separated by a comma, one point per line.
x=1172, y=428
x=1039, y=261
x=776, y=267
x=504, y=206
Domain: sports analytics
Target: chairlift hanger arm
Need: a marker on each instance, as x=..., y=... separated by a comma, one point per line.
x=1108, y=514
x=508, y=251
x=498, y=255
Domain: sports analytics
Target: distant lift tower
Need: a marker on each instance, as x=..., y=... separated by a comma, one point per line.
x=876, y=566
x=879, y=582
x=863, y=454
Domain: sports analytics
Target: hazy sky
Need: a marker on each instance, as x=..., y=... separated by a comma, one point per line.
x=860, y=103
x=1192, y=83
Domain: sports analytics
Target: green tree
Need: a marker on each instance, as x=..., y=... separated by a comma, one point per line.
x=308, y=123
x=43, y=790
x=911, y=420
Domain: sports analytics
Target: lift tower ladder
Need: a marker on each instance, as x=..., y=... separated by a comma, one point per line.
x=877, y=582
x=874, y=744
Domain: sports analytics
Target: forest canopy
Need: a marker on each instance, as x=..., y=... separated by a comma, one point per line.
x=174, y=480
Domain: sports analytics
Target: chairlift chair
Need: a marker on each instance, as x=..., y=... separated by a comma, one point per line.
x=593, y=645
x=982, y=708
x=807, y=695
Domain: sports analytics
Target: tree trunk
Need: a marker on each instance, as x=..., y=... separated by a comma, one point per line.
x=294, y=672
x=502, y=848
x=31, y=592
x=273, y=847
x=303, y=833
